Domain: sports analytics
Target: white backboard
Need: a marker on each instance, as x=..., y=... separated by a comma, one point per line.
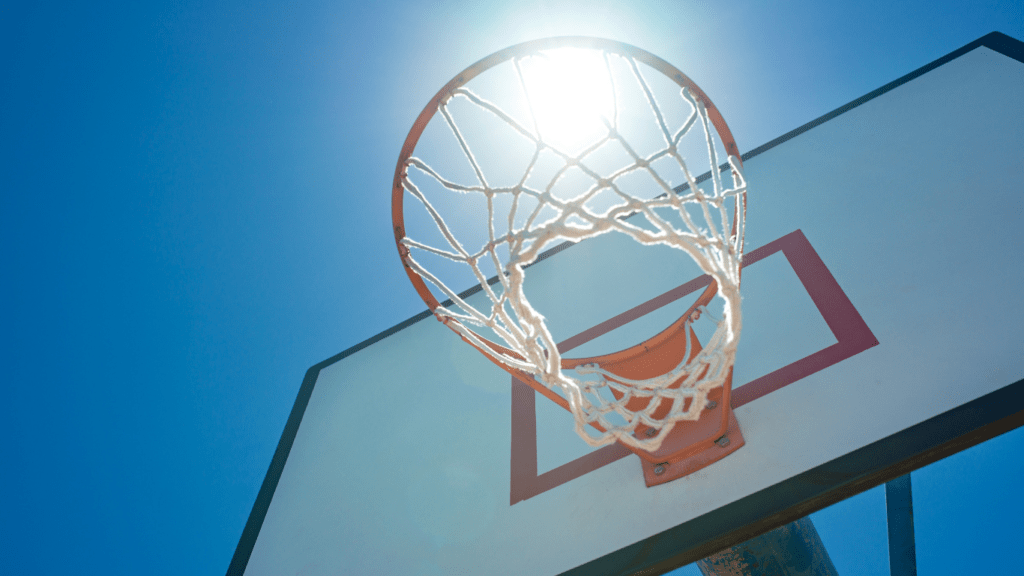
x=881, y=332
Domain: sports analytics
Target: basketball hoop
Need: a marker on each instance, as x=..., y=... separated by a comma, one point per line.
x=667, y=398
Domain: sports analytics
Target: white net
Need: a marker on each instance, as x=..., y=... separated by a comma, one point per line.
x=526, y=217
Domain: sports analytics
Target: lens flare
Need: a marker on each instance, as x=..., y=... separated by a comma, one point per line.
x=571, y=95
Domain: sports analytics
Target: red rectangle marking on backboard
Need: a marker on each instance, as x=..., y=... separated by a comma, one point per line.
x=851, y=332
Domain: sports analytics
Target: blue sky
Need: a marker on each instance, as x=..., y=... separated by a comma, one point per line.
x=196, y=208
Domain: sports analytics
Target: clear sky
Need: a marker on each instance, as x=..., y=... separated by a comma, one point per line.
x=196, y=208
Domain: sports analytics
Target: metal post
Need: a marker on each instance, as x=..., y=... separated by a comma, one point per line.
x=899, y=508
x=792, y=550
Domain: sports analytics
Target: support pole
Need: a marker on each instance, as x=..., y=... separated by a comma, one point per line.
x=899, y=509
x=792, y=550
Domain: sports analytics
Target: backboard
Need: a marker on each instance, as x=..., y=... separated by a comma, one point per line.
x=880, y=307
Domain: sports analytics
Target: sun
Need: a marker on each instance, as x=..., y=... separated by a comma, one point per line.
x=571, y=95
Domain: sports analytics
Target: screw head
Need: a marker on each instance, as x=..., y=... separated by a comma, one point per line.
x=659, y=469
x=712, y=405
x=723, y=441
x=651, y=432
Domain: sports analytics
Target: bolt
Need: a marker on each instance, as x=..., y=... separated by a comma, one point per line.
x=659, y=469
x=712, y=405
x=651, y=432
x=723, y=441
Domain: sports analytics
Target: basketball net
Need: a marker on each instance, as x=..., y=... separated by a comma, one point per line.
x=597, y=398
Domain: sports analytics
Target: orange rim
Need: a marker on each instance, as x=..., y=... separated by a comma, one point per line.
x=625, y=356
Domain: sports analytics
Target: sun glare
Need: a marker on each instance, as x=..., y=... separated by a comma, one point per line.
x=570, y=92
